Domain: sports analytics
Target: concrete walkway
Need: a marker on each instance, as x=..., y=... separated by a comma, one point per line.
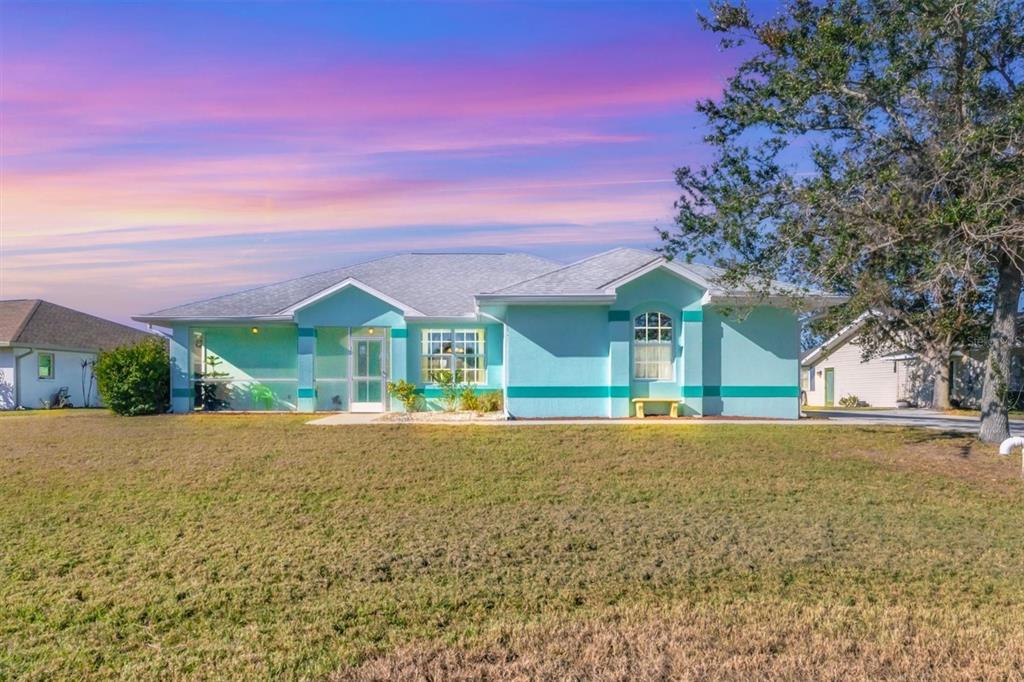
x=346, y=419
x=927, y=419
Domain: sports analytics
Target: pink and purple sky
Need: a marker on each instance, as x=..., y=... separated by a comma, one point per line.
x=155, y=154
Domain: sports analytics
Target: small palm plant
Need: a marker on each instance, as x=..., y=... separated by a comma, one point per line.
x=263, y=396
x=450, y=384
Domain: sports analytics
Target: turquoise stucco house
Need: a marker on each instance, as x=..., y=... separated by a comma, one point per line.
x=578, y=340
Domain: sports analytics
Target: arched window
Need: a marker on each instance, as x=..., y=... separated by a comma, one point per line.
x=652, y=346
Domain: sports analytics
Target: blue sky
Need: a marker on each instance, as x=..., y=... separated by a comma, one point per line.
x=157, y=153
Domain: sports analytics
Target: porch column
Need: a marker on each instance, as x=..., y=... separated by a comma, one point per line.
x=619, y=328
x=182, y=390
x=399, y=363
x=693, y=362
x=307, y=382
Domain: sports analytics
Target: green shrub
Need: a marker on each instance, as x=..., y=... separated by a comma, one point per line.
x=492, y=401
x=468, y=400
x=405, y=393
x=450, y=384
x=134, y=380
x=851, y=401
x=262, y=396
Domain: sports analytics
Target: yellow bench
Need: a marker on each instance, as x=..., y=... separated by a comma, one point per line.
x=638, y=403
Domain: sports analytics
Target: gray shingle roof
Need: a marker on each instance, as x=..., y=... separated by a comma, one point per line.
x=31, y=322
x=593, y=275
x=447, y=284
x=588, y=276
x=435, y=284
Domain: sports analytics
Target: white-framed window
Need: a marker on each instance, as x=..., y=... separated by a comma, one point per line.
x=652, y=346
x=460, y=350
x=46, y=369
x=197, y=354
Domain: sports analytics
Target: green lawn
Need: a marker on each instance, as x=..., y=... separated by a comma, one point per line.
x=256, y=547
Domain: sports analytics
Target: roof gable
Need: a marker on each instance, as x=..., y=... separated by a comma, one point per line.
x=834, y=342
x=355, y=284
x=677, y=269
x=599, y=276
x=588, y=277
x=659, y=284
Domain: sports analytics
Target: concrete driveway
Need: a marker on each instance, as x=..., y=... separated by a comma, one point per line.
x=929, y=419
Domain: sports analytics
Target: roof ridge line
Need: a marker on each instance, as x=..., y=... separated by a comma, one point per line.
x=551, y=272
x=397, y=255
x=272, y=284
x=636, y=269
x=25, y=320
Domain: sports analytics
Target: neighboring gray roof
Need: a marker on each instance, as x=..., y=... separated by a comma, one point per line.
x=435, y=284
x=31, y=322
x=835, y=341
x=13, y=315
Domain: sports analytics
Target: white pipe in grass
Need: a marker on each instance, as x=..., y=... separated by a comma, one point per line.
x=1010, y=443
x=1007, y=446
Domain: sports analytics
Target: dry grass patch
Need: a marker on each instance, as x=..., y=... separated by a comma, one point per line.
x=255, y=546
x=754, y=640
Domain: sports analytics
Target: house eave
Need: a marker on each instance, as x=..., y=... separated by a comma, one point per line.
x=574, y=299
x=795, y=301
x=168, y=321
x=15, y=345
x=355, y=283
x=441, y=319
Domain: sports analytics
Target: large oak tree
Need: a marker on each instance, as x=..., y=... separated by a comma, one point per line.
x=876, y=148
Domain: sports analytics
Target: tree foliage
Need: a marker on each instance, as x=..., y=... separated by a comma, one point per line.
x=869, y=147
x=135, y=380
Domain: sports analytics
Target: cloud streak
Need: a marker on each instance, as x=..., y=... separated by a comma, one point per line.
x=152, y=154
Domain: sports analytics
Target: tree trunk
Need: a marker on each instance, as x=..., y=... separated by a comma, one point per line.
x=940, y=389
x=995, y=422
x=937, y=358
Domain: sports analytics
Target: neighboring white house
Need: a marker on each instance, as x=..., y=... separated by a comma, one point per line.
x=45, y=347
x=837, y=369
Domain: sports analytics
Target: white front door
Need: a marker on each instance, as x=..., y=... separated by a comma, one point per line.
x=368, y=374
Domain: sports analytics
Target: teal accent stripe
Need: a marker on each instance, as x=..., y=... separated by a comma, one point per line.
x=307, y=392
x=760, y=391
x=693, y=315
x=741, y=391
x=399, y=333
x=182, y=392
x=618, y=316
x=568, y=391
x=307, y=331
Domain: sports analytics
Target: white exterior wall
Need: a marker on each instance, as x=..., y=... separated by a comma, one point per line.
x=873, y=381
x=969, y=372
x=6, y=379
x=67, y=372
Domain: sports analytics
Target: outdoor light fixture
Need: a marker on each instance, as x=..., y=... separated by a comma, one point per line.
x=371, y=331
x=255, y=330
